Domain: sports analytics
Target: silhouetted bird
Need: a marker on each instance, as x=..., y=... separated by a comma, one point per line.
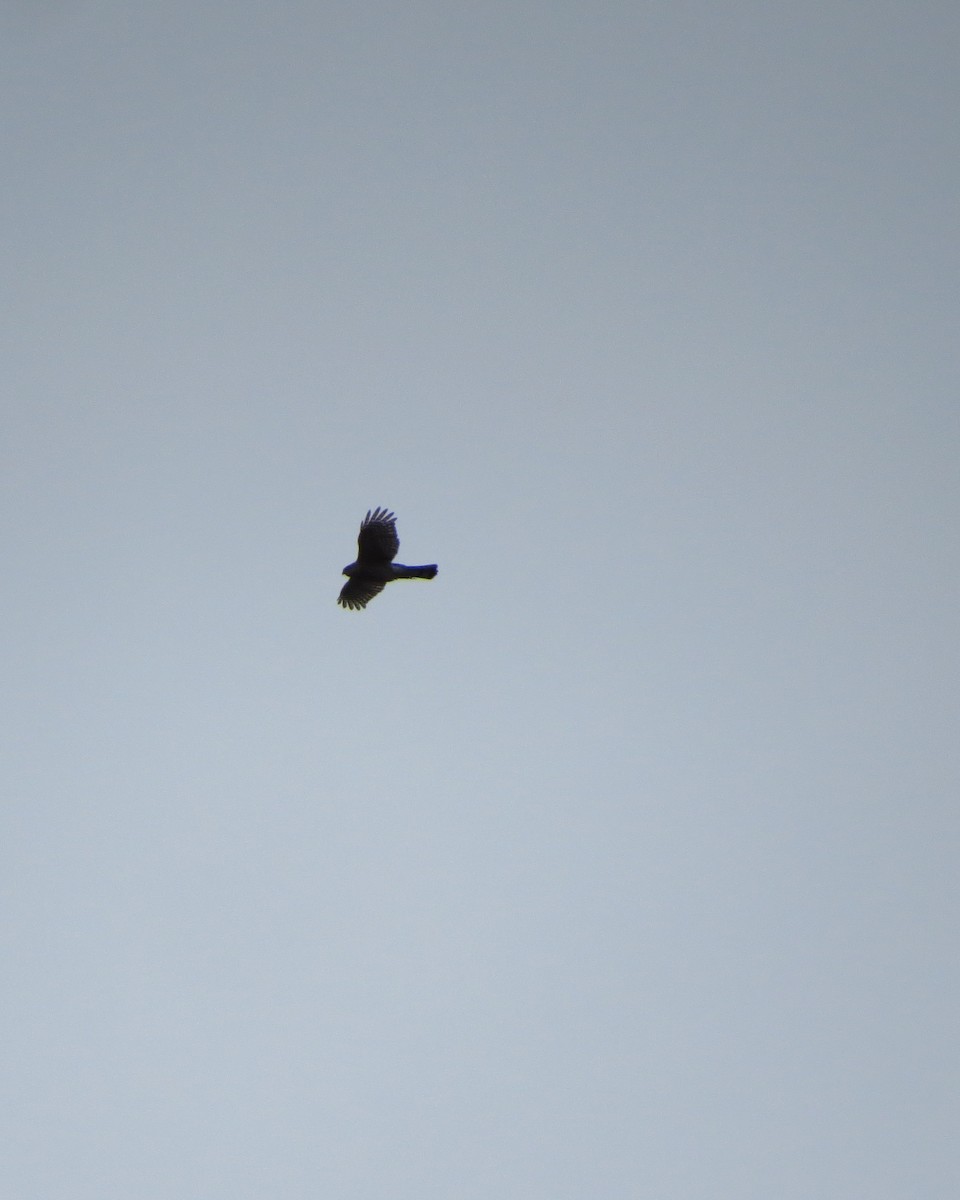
x=377, y=546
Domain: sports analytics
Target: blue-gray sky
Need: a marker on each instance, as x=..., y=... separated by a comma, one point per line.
x=618, y=861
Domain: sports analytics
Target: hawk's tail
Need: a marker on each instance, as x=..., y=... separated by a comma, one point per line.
x=426, y=572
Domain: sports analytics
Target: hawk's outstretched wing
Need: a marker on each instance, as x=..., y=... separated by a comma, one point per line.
x=357, y=593
x=378, y=541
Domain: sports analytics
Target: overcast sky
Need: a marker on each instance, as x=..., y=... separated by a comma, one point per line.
x=618, y=861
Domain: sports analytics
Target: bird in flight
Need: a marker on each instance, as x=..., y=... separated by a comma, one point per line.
x=377, y=547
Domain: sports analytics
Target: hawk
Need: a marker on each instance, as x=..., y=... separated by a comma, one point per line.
x=377, y=546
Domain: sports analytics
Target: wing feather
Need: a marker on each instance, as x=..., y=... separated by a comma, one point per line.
x=357, y=593
x=378, y=542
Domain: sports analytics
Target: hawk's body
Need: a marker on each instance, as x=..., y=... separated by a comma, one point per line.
x=377, y=547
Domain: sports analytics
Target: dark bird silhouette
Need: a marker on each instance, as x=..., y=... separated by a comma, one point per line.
x=377, y=547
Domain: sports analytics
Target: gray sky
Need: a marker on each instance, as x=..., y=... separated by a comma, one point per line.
x=620, y=860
